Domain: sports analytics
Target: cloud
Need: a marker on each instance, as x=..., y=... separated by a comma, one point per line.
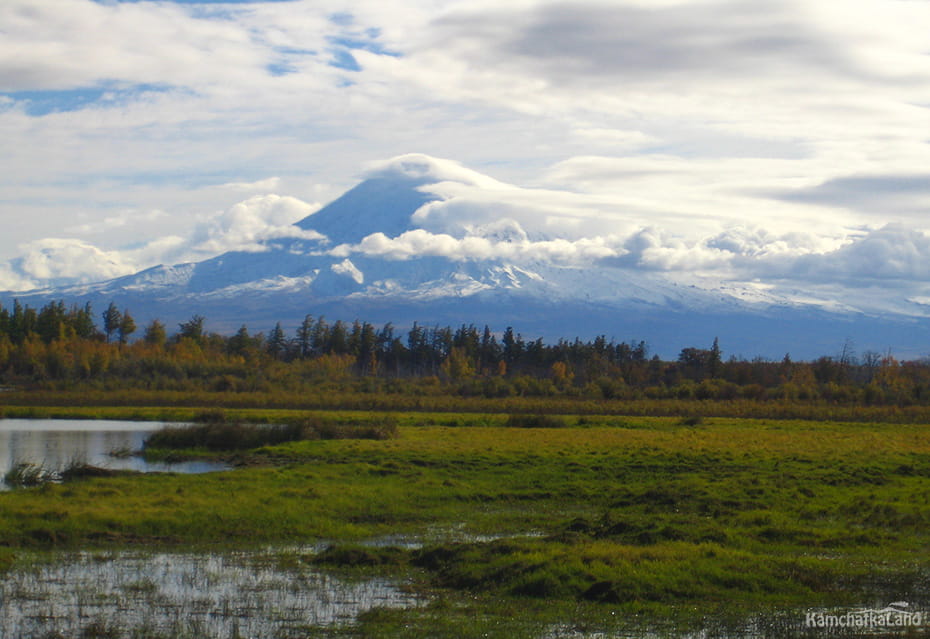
x=123, y=219
x=572, y=42
x=266, y=185
x=618, y=139
x=893, y=252
x=903, y=194
x=760, y=243
x=652, y=249
x=67, y=44
x=67, y=260
x=246, y=225
x=639, y=60
x=441, y=173
x=13, y=280
x=421, y=243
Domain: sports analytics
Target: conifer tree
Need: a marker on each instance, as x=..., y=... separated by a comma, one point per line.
x=111, y=320
x=305, y=336
x=127, y=326
x=155, y=334
x=277, y=342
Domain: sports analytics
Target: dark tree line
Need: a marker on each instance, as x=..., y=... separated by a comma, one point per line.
x=66, y=343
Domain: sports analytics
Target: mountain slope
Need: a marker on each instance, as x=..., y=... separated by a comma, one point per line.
x=379, y=204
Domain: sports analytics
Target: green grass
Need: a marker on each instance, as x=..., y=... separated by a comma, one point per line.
x=630, y=512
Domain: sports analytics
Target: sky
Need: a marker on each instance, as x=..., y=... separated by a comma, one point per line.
x=775, y=142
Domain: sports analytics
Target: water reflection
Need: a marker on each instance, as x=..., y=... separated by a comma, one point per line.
x=57, y=443
x=170, y=594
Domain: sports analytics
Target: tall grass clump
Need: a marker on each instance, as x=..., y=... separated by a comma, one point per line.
x=535, y=421
x=220, y=436
x=223, y=436
x=25, y=474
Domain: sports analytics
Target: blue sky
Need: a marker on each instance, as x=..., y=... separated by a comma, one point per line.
x=768, y=142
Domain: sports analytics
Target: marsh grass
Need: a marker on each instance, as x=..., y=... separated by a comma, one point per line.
x=30, y=474
x=24, y=474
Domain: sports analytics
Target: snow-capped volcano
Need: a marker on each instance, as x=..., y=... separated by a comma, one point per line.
x=422, y=239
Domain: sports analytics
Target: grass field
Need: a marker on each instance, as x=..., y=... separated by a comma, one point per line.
x=646, y=516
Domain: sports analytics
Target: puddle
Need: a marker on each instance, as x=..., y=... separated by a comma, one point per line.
x=166, y=594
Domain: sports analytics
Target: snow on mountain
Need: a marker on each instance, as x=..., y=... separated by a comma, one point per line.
x=504, y=230
x=376, y=261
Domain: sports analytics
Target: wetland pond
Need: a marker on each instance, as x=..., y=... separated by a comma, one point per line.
x=55, y=444
x=169, y=594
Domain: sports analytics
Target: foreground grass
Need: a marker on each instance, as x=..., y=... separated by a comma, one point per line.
x=645, y=514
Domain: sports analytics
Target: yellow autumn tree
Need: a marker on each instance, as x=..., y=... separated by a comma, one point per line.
x=457, y=365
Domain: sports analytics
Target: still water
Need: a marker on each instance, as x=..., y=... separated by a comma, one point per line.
x=124, y=594
x=56, y=443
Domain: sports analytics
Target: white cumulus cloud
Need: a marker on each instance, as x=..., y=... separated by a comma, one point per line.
x=421, y=243
x=893, y=252
x=70, y=260
x=244, y=226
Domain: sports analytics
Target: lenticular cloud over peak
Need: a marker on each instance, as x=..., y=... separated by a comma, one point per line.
x=431, y=170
